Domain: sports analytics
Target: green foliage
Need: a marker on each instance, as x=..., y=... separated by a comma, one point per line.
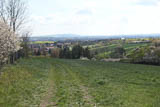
x=66, y=53
x=77, y=52
x=137, y=55
x=25, y=51
x=87, y=53
x=146, y=55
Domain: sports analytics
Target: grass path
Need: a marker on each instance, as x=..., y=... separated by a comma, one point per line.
x=46, y=101
x=88, y=100
x=77, y=91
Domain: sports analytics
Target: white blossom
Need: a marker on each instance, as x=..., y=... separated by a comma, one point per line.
x=9, y=42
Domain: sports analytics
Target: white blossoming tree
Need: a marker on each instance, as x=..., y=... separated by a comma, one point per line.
x=9, y=42
x=12, y=19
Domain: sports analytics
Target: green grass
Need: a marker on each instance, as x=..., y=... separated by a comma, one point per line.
x=133, y=46
x=24, y=83
x=78, y=83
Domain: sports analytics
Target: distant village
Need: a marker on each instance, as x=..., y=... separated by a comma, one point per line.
x=48, y=48
x=45, y=48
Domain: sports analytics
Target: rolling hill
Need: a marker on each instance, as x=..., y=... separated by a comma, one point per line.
x=63, y=37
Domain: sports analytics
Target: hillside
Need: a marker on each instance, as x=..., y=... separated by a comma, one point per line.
x=64, y=83
x=74, y=37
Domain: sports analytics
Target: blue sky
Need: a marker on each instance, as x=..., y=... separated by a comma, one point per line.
x=94, y=17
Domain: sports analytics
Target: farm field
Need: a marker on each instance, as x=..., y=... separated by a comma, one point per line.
x=105, y=51
x=48, y=82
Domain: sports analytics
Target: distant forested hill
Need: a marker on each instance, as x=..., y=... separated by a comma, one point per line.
x=63, y=37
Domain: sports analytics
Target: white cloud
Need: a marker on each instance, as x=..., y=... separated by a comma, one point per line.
x=84, y=12
x=147, y=2
x=100, y=17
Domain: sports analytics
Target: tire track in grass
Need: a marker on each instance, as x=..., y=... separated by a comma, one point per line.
x=47, y=102
x=87, y=99
x=68, y=94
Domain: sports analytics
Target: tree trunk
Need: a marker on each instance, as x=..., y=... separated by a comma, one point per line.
x=12, y=58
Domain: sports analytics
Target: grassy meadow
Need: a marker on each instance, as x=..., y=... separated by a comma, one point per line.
x=104, y=50
x=48, y=82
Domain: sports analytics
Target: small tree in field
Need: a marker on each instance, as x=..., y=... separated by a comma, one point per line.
x=87, y=53
x=77, y=52
x=24, y=52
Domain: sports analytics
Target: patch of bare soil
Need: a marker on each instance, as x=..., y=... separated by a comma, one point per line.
x=46, y=100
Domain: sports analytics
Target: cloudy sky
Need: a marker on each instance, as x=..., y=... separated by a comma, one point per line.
x=94, y=17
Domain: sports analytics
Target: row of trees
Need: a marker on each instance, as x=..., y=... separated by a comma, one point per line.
x=12, y=18
x=75, y=53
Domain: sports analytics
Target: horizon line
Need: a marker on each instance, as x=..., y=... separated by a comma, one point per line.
x=95, y=35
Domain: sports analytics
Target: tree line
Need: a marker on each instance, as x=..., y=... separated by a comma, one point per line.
x=76, y=52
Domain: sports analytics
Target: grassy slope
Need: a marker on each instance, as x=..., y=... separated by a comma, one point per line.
x=24, y=83
x=67, y=83
x=106, y=50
